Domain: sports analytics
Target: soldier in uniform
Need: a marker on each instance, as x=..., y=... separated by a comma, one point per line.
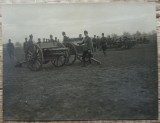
x=87, y=47
x=94, y=41
x=65, y=38
x=30, y=41
x=103, y=44
x=80, y=36
x=25, y=45
x=43, y=40
x=51, y=39
x=109, y=42
x=56, y=40
x=98, y=43
x=10, y=49
x=39, y=40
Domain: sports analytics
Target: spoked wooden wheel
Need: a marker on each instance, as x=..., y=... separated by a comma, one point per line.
x=60, y=60
x=72, y=53
x=34, y=57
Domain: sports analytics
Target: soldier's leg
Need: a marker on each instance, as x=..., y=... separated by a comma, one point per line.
x=89, y=56
x=104, y=50
x=83, y=58
x=10, y=55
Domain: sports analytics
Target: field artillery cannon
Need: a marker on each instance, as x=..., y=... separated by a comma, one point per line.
x=59, y=54
x=42, y=53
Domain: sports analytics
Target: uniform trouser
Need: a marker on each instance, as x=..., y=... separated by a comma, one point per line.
x=94, y=46
x=86, y=54
x=104, y=47
x=11, y=54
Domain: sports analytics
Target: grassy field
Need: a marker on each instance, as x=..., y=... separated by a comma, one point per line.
x=123, y=87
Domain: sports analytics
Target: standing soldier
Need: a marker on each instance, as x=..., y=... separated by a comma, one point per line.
x=80, y=36
x=51, y=39
x=94, y=41
x=43, y=40
x=65, y=38
x=25, y=45
x=98, y=43
x=109, y=42
x=103, y=44
x=10, y=49
x=87, y=48
x=56, y=40
x=39, y=41
x=30, y=41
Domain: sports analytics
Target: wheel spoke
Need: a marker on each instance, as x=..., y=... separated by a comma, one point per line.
x=72, y=53
x=34, y=57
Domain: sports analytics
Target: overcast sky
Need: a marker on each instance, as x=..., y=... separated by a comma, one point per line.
x=19, y=21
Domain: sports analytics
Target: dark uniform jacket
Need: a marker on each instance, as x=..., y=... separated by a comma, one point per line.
x=88, y=45
x=103, y=41
x=65, y=39
x=30, y=42
x=10, y=47
x=94, y=40
x=51, y=40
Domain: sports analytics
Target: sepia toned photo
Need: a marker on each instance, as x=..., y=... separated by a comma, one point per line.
x=88, y=61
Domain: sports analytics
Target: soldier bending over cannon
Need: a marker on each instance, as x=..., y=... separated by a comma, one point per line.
x=87, y=48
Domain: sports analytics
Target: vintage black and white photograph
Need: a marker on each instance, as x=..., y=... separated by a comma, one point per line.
x=81, y=61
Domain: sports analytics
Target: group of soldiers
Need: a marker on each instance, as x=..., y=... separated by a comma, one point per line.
x=89, y=44
x=29, y=42
x=96, y=42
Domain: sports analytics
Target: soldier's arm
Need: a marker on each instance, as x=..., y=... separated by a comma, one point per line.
x=81, y=42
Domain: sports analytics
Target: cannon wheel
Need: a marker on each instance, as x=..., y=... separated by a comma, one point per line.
x=72, y=53
x=59, y=60
x=34, y=57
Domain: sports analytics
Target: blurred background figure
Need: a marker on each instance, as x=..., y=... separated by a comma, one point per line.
x=30, y=41
x=25, y=45
x=10, y=49
x=65, y=38
x=39, y=40
x=80, y=36
x=56, y=40
x=103, y=44
x=51, y=38
x=94, y=41
x=98, y=43
x=43, y=40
